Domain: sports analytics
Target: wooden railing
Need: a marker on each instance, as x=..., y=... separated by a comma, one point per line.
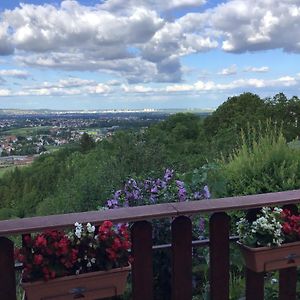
x=181, y=246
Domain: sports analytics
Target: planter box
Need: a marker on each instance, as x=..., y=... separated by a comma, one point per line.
x=265, y=259
x=89, y=286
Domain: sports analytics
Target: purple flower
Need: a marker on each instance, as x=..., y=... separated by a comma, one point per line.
x=180, y=183
x=182, y=194
x=168, y=175
x=118, y=194
x=112, y=203
x=153, y=199
x=206, y=191
x=201, y=224
x=197, y=195
x=147, y=184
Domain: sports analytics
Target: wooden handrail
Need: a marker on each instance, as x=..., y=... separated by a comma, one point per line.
x=132, y=214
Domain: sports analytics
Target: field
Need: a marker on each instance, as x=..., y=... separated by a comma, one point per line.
x=25, y=131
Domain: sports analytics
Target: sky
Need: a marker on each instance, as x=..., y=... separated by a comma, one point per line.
x=141, y=54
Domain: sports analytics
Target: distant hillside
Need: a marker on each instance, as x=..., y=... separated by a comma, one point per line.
x=19, y=112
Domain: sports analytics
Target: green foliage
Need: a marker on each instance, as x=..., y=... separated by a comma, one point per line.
x=263, y=163
x=86, y=143
x=223, y=127
x=286, y=112
x=77, y=178
x=181, y=139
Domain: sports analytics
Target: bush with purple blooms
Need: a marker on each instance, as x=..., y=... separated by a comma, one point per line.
x=171, y=187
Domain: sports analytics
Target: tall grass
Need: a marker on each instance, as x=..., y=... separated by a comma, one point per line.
x=263, y=163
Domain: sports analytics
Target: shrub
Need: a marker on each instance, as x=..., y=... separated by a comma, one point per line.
x=263, y=163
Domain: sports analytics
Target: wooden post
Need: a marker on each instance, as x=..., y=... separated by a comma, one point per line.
x=142, y=268
x=24, y=236
x=287, y=284
x=219, y=256
x=7, y=271
x=254, y=285
x=182, y=259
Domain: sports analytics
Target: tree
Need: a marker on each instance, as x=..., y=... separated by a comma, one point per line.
x=286, y=113
x=223, y=128
x=86, y=143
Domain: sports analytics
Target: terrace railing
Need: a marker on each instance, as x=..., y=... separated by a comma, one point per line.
x=181, y=246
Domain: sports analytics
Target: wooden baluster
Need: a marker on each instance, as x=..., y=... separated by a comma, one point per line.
x=182, y=259
x=142, y=268
x=287, y=284
x=254, y=285
x=219, y=256
x=24, y=237
x=7, y=270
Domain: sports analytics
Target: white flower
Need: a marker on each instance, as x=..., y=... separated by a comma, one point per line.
x=274, y=281
x=88, y=264
x=78, y=233
x=93, y=260
x=90, y=228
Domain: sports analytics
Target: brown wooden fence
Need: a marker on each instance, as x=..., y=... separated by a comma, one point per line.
x=181, y=247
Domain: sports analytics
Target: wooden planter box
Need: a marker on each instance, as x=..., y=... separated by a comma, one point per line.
x=265, y=259
x=88, y=286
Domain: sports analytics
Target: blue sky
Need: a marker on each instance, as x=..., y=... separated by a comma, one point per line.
x=146, y=53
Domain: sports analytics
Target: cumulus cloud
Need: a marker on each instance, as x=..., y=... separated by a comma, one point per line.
x=42, y=28
x=65, y=87
x=253, y=25
x=232, y=70
x=120, y=5
x=135, y=40
x=77, y=86
x=6, y=46
x=212, y=86
x=104, y=37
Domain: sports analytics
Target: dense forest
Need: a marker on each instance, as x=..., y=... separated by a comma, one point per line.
x=245, y=139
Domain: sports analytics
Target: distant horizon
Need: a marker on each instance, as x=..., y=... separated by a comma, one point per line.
x=111, y=110
x=114, y=54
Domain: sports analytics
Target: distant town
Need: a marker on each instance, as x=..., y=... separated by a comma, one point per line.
x=26, y=134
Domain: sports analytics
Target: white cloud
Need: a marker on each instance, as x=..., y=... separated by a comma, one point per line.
x=121, y=5
x=15, y=73
x=66, y=87
x=136, y=41
x=5, y=93
x=42, y=28
x=77, y=86
x=137, y=89
x=232, y=70
x=240, y=84
x=253, y=25
x=257, y=69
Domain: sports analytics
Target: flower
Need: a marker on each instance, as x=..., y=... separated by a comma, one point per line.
x=47, y=255
x=54, y=253
x=136, y=192
x=272, y=227
x=290, y=226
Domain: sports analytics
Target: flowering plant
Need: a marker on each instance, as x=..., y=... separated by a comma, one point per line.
x=47, y=255
x=106, y=250
x=266, y=230
x=54, y=254
x=290, y=226
x=272, y=227
x=137, y=192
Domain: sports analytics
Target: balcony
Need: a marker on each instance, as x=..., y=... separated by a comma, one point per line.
x=181, y=246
